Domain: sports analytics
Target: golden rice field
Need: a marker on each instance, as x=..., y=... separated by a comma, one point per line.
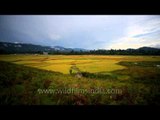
x=86, y=63
x=137, y=77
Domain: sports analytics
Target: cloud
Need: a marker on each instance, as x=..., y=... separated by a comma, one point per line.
x=53, y=36
x=124, y=43
x=143, y=31
x=83, y=31
x=154, y=33
x=129, y=42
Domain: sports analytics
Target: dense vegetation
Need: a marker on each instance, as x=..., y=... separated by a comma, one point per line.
x=139, y=82
x=140, y=51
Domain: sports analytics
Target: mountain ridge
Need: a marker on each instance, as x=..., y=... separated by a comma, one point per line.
x=8, y=47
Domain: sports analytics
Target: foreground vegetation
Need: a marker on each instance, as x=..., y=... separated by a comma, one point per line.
x=138, y=82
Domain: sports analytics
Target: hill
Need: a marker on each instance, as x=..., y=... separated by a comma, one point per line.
x=14, y=48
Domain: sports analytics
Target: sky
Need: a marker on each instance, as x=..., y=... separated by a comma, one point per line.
x=82, y=31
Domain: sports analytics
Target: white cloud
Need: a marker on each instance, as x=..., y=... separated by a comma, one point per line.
x=139, y=33
x=124, y=43
x=129, y=42
x=54, y=36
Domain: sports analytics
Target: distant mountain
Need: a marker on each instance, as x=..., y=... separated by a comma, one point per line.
x=6, y=47
x=12, y=48
x=148, y=48
x=59, y=48
x=79, y=49
x=148, y=51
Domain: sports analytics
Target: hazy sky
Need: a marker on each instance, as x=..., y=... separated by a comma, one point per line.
x=82, y=31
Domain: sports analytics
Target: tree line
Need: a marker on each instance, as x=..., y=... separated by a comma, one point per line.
x=145, y=51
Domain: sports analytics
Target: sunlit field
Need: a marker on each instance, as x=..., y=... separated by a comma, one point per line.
x=86, y=63
x=24, y=77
